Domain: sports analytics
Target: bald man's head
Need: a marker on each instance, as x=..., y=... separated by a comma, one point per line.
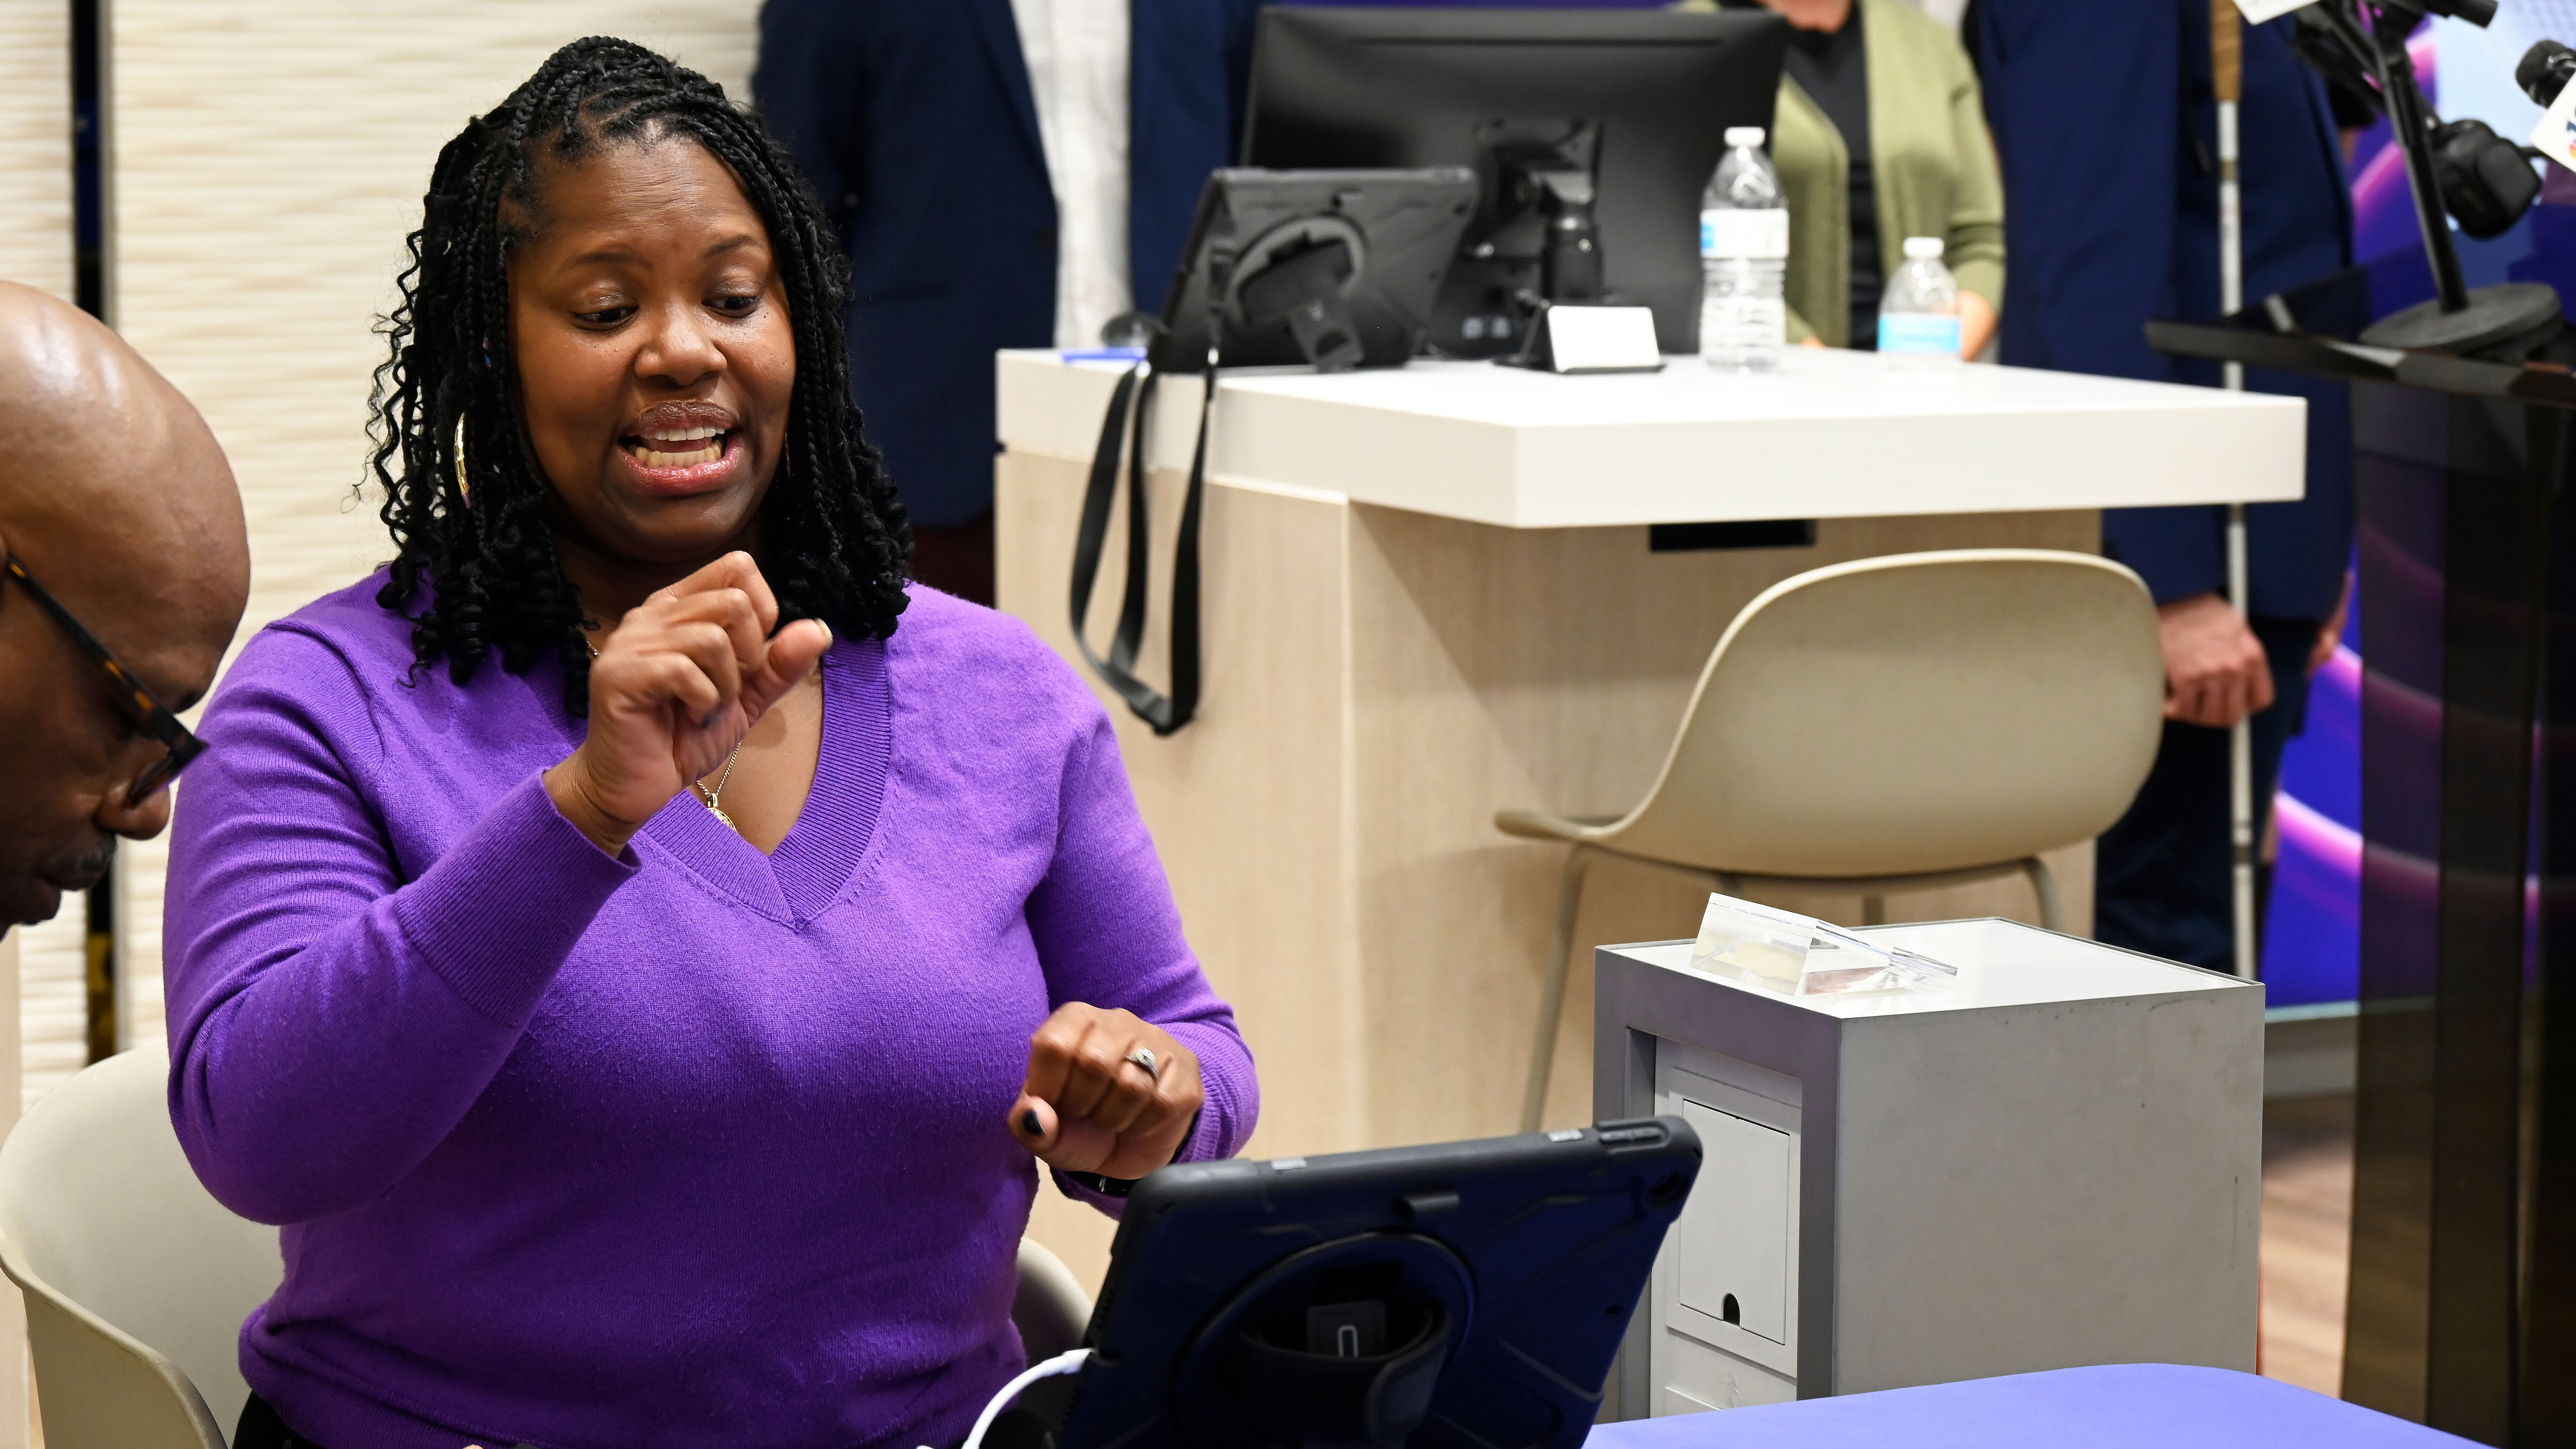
x=114, y=496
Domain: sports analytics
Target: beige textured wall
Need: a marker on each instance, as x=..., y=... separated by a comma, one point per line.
x=36, y=144
x=16, y=1411
x=35, y=248
x=269, y=159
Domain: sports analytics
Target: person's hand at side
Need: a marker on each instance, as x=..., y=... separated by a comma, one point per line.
x=2330, y=634
x=1088, y=1106
x=1976, y=324
x=2215, y=672
x=678, y=683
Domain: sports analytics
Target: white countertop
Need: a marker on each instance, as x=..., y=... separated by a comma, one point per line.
x=1832, y=434
x=2001, y=963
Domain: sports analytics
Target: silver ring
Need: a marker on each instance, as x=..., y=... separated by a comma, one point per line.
x=1144, y=1057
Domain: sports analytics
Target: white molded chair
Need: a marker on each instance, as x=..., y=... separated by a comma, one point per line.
x=1051, y=1308
x=137, y=1280
x=1890, y=724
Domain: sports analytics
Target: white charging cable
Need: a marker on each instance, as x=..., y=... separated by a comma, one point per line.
x=1068, y=1362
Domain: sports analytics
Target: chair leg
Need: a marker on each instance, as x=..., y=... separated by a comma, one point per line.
x=1551, y=1006
x=1873, y=910
x=2043, y=883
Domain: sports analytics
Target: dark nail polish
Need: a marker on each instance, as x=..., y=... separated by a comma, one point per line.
x=1029, y=1123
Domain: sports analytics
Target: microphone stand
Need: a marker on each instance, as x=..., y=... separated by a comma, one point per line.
x=2403, y=98
x=2510, y=316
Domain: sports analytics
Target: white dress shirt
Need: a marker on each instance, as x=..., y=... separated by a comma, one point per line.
x=1077, y=59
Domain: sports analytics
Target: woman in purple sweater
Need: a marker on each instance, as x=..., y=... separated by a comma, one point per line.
x=637, y=975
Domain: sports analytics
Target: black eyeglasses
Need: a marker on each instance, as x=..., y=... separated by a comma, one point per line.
x=150, y=715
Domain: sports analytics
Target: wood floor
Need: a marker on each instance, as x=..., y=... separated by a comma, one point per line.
x=2307, y=1238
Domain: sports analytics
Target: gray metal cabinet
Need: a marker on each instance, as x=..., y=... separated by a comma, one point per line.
x=2055, y=1162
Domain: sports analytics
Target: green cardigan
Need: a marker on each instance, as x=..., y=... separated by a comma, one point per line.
x=1932, y=162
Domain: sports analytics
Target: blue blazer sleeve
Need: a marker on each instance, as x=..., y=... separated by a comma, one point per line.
x=810, y=84
x=1190, y=62
x=2086, y=106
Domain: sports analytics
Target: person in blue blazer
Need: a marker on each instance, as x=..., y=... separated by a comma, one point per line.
x=918, y=126
x=2105, y=122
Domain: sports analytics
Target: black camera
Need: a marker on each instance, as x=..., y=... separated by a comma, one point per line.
x=2487, y=181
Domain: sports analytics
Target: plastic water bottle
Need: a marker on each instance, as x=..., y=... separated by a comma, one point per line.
x=1918, y=314
x=1743, y=250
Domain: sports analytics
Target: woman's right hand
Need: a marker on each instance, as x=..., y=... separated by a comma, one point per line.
x=676, y=686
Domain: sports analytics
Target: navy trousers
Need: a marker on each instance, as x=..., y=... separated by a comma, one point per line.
x=2161, y=882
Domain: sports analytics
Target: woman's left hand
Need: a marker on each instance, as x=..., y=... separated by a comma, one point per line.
x=1976, y=325
x=1088, y=1106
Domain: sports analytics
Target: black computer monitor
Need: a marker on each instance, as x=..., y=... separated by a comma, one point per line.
x=1461, y=1295
x=1596, y=127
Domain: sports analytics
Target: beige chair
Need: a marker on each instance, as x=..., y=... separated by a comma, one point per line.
x=1051, y=1308
x=1890, y=724
x=137, y=1280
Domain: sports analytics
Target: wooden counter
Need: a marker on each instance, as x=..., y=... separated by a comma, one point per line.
x=1429, y=596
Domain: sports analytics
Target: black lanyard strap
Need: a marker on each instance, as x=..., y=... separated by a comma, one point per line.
x=1127, y=428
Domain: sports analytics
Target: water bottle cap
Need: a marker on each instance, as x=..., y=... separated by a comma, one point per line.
x=1922, y=248
x=1743, y=136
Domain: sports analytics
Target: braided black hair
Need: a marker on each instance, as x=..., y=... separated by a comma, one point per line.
x=835, y=538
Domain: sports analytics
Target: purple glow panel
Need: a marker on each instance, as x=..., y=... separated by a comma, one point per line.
x=2312, y=922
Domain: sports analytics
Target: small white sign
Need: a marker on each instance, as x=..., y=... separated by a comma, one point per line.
x=2258, y=11
x=1605, y=339
x=2555, y=136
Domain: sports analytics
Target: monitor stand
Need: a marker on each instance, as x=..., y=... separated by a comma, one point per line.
x=1542, y=243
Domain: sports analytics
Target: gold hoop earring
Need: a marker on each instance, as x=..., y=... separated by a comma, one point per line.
x=464, y=490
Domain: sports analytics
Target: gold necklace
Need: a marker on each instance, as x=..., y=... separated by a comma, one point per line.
x=706, y=797
x=710, y=796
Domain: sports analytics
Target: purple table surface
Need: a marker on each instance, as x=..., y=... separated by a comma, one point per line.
x=2121, y=1406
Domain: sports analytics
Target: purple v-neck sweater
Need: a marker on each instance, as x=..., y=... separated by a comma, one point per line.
x=689, y=1148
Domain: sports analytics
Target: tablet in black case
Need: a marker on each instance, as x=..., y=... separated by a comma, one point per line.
x=1467, y=1294
x=1336, y=269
